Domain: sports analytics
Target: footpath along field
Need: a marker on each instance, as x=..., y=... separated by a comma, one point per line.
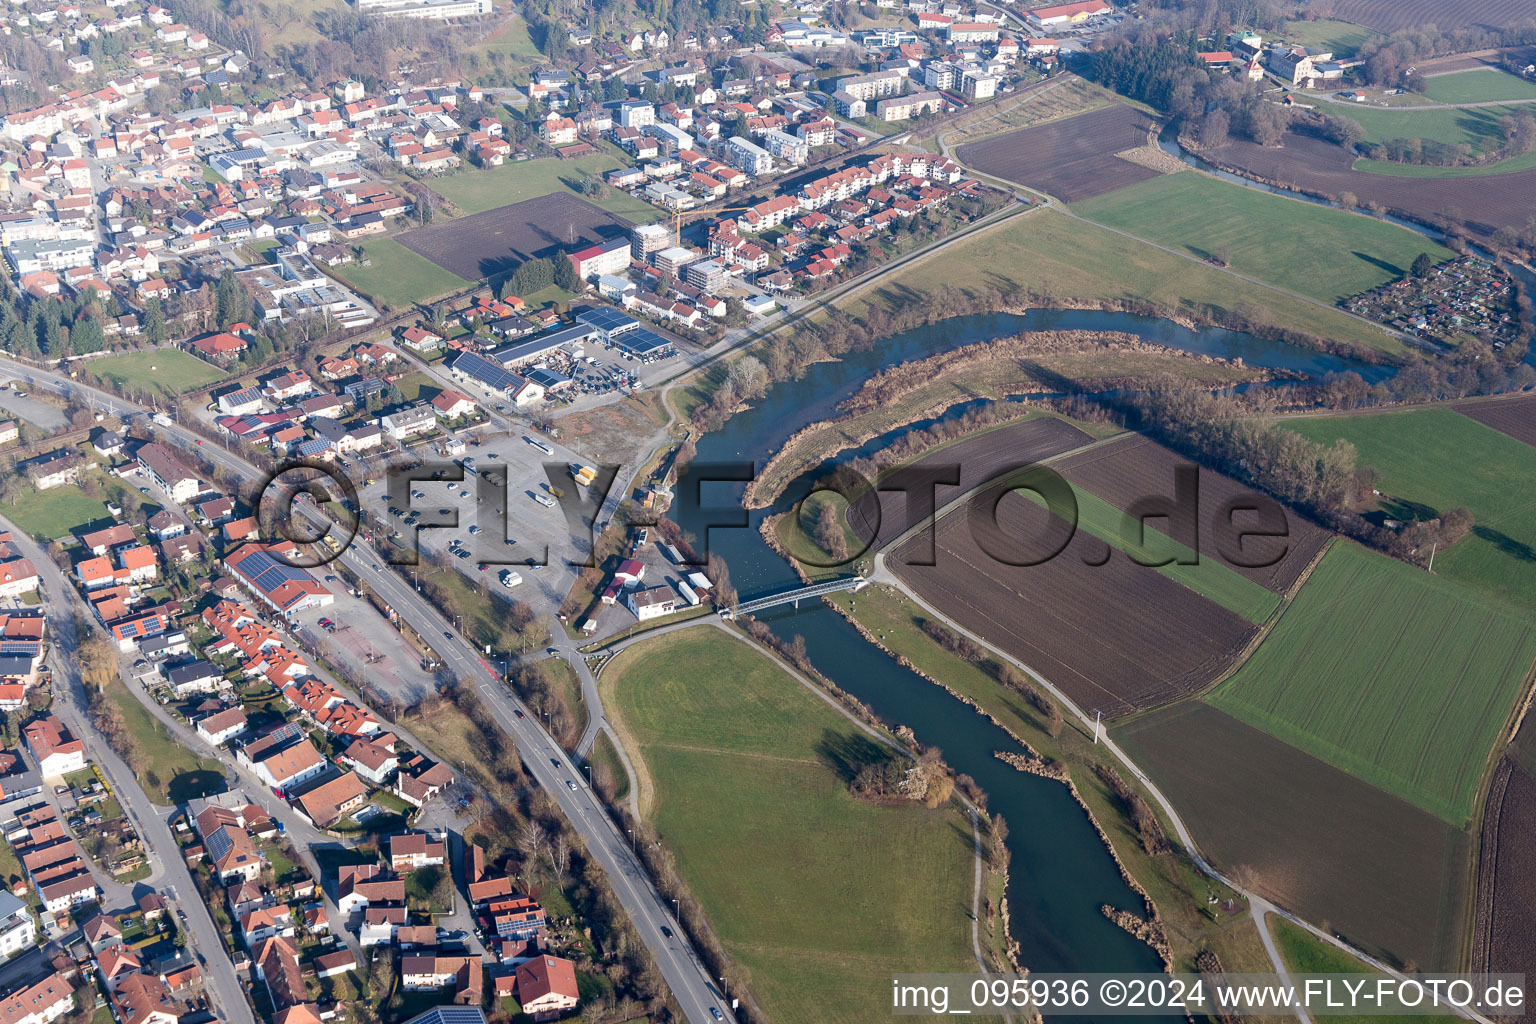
x=1433, y=460
x=1399, y=677
x=744, y=773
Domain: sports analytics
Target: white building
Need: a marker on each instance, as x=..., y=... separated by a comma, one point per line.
x=652, y=603
x=18, y=931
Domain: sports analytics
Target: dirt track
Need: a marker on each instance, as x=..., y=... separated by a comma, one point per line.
x=1071, y=159
x=1484, y=203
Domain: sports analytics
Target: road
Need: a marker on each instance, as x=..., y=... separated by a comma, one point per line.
x=691, y=983
x=168, y=871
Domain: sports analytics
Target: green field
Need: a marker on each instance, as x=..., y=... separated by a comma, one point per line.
x=1208, y=577
x=168, y=771
x=398, y=276
x=1441, y=459
x=1318, y=251
x=56, y=512
x=1480, y=85
x=164, y=370
x=1477, y=127
x=1054, y=255
x=1342, y=37
x=1399, y=677
x=512, y=44
x=475, y=190
x=1305, y=953
x=1524, y=162
x=811, y=891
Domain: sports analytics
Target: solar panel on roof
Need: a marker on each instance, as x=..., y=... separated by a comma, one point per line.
x=492, y=375
x=643, y=342
x=19, y=647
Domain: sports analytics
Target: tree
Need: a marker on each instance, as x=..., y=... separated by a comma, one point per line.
x=1213, y=129
x=565, y=273
x=1422, y=265
x=154, y=321
x=229, y=299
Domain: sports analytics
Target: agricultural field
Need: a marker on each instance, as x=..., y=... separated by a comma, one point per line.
x=398, y=277
x=1432, y=460
x=497, y=241
x=1318, y=251
x=744, y=774
x=1474, y=127
x=478, y=190
x=1072, y=158
x=1514, y=416
x=166, y=371
x=1390, y=16
x=1384, y=874
x=1112, y=635
x=1479, y=85
x=1501, y=198
x=1061, y=96
x=511, y=44
x=1398, y=677
x=1049, y=254
x=1136, y=467
x=1305, y=953
x=1504, y=938
x=1342, y=37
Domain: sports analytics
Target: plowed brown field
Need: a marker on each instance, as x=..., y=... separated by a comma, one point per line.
x=1115, y=636
x=1396, y=15
x=1071, y=159
x=1484, y=203
x=1380, y=871
x=1513, y=416
x=973, y=461
x=1136, y=467
x=1505, y=937
x=496, y=242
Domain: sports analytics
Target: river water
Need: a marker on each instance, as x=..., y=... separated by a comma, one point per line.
x=1061, y=873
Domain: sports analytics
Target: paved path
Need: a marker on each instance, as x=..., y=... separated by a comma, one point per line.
x=691, y=983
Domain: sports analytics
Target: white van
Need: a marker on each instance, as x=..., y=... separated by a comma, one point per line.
x=511, y=578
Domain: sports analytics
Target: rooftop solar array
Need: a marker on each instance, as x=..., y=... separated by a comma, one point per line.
x=450, y=1015
x=642, y=342
x=22, y=648
x=609, y=321
x=267, y=574
x=492, y=375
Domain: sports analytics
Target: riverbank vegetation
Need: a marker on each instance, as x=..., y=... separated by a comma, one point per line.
x=746, y=782
x=1034, y=362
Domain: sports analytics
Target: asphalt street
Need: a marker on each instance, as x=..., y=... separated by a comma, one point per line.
x=695, y=990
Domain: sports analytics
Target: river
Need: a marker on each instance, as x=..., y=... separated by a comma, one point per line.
x=1061, y=873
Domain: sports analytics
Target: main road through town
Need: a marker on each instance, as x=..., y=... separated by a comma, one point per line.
x=692, y=985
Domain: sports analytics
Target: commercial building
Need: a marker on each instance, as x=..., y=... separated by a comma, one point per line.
x=165, y=469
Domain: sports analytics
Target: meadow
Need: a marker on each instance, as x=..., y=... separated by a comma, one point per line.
x=1318, y=251
x=1399, y=677
x=56, y=512
x=1476, y=127
x=811, y=891
x=1432, y=460
x=1480, y=85
x=1342, y=37
x=398, y=277
x=1051, y=254
x=166, y=371
x=477, y=190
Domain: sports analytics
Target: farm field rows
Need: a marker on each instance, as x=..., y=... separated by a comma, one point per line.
x=1072, y=158
x=1113, y=635
x=1432, y=460
x=1385, y=874
x=743, y=775
x=1502, y=199
x=496, y=241
x=1318, y=251
x=1515, y=417
x=1051, y=254
x=1505, y=935
x=1401, y=678
x=1136, y=467
x=1395, y=15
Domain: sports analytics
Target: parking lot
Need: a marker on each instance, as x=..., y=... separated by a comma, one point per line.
x=493, y=516
x=362, y=643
